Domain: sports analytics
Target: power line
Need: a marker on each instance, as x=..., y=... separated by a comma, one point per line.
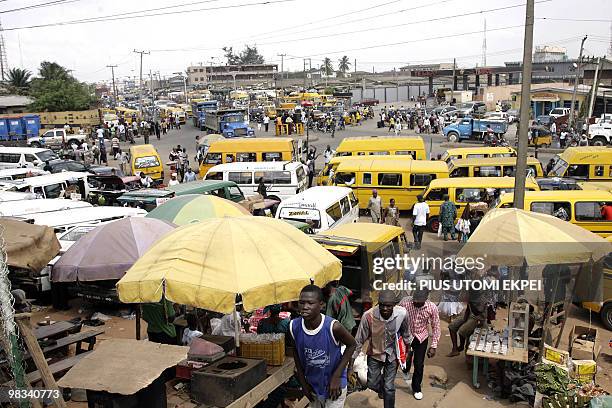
x=589, y=20
x=366, y=29
x=33, y=6
x=123, y=16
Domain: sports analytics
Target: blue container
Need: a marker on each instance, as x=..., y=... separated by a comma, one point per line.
x=16, y=128
x=32, y=125
x=4, y=129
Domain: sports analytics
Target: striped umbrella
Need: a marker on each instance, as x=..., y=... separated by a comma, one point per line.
x=192, y=208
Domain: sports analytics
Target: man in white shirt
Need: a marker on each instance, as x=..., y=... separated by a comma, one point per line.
x=173, y=181
x=100, y=133
x=419, y=220
x=266, y=122
x=328, y=154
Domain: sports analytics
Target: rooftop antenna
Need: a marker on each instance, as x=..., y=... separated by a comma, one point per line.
x=3, y=63
x=484, y=45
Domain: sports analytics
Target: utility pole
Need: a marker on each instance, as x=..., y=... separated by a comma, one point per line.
x=521, y=160
x=594, y=87
x=304, y=73
x=282, y=68
x=578, y=68
x=454, y=79
x=140, y=88
x=310, y=70
x=112, y=67
x=355, y=67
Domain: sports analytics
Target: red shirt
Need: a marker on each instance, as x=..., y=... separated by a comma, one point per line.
x=420, y=318
x=606, y=212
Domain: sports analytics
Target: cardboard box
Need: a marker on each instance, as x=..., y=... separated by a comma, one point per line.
x=583, y=370
x=581, y=349
x=555, y=356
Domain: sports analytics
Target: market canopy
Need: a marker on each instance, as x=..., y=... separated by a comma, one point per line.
x=28, y=246
x=108, y=251
x=192, y=208
x=513, y=237
x=207, y=264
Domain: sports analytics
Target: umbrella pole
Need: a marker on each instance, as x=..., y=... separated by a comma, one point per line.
x=237, y=324
x=138, y=322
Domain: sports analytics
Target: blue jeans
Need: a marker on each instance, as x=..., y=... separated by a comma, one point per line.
x=381, y=378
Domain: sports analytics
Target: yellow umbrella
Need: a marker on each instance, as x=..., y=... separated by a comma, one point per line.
x=207, y=264
x=513, y=237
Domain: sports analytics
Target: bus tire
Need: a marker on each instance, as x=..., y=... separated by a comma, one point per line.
x=606, y=315
x=73, y=141
x=453, y=137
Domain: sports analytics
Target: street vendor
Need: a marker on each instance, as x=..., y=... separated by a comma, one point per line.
x=319, y=360
x=274, y=323
x=159, y=317
x=337, y=304
x=473, y=317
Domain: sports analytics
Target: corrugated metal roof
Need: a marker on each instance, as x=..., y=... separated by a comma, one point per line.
x=14, y=100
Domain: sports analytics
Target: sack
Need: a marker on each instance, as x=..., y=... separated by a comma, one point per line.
x=439, y=229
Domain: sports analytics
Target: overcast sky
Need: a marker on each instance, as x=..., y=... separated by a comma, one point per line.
x=378, y=33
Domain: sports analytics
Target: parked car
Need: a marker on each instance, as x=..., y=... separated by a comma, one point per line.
x=513, y=115
x=497, y=115
x=369, y=102
x=557, y=112
x=58, y=166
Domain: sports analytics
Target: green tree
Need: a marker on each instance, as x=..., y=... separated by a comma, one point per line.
x=328, y=68
x=344, y=64
x=18, y=81
x=52, y=70
x=56, y=90
x=249, y=55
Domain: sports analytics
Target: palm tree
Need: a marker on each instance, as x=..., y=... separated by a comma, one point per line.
x=18, y=80
x=328, y=68
x=344, y=64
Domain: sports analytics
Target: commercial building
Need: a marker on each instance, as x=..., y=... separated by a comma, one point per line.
x=202, y=74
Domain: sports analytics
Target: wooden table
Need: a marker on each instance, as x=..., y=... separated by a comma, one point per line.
x=515, y=355
x=277, y=376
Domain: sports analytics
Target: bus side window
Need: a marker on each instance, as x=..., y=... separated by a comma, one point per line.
x=599, y=171
x=436, y=194
x=460, y=172
x=421, y=179
x=390, y=179
x=589, y=211
x=367, y=178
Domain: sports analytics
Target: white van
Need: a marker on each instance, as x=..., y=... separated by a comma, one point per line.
x=52, y=185
x=7, y=196
x=21, y=173
x=283, y=179
x=26, y=208
x=16, y=157
x=61, y=221
x=323, y=207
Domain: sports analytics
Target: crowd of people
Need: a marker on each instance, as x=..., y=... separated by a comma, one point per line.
x=410, y=119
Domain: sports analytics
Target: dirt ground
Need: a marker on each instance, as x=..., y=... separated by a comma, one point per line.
x=456, y=368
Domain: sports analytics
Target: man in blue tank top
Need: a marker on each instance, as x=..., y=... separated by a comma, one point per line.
x=320, y=363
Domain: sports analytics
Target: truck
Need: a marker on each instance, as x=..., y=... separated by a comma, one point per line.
x=229, y=123
x=19, y=127
x=470, y=128
x=56, y=138
x=600, y=133
x=198, y=111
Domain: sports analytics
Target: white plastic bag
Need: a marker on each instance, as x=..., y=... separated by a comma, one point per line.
x=439, y=229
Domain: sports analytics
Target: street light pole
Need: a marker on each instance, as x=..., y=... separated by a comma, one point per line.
x=140, y=88
x=521, y=160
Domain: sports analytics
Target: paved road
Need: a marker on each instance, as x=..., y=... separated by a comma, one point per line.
x=434, y=143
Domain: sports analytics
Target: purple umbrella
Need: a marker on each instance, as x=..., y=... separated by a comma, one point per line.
x=109, y=250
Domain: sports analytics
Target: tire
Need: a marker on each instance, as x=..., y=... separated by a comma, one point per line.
x=599, y=141
x=73, y=141
x=606, y=315
x=35, y=144
x=453, y=137
x=433, y=224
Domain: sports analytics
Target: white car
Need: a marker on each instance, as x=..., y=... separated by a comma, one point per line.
x=558, y=112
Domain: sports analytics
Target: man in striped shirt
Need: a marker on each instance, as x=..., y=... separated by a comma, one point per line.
x=421, y=314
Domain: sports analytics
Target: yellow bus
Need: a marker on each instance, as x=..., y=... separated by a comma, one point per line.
x=585, y=163
x=382, y=146
x=127, y=114
x=330, y=168
x=400, y=179
x=477, y=153
x=492, y=167
x=596, y=185
x=358, y=245
x=580, y=207
x=145, y=159
x=251, y=150
x=464, y=190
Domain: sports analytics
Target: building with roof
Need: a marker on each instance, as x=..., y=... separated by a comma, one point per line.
x=202, y=74
x=14, y=103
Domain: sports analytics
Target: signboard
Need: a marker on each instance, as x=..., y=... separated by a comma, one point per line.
x=421, y=73
x=544, y=97
x=160, y=200
x=490, y=97
x=300, y=213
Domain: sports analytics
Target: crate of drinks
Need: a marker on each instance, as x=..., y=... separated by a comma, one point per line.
x=269, y=347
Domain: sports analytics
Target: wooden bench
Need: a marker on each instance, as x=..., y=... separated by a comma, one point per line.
x=56, y=368
x=58, y=329
x=88, y=337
